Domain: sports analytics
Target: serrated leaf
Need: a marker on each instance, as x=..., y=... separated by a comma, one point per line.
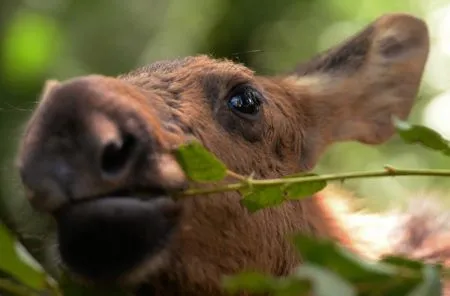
x=431, y=284
x=14, y=265
x=263, y=196
x=425, y=136
x=324, y=282
x=260, y=197
x=199, y=164
x=295, y=191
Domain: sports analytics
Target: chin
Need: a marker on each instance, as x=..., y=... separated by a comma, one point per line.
x=116, y=239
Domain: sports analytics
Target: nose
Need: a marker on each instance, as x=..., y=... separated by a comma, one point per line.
x=64, y=165
x=116, y=155
x=84, y=142
x=113, y=149
x=53, y=181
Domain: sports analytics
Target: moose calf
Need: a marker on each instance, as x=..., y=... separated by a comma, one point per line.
x=97, y=155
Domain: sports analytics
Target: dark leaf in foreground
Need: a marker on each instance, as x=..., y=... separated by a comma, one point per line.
x=431, y=284
x=394, y=276
x=260, y=283
x=425, y=136
x=12, y=263
x=72, y=288
x=325, y=282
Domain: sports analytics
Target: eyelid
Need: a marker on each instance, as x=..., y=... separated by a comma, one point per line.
x=243, y=86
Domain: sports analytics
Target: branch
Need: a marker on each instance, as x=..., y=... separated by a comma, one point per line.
x=247, y=182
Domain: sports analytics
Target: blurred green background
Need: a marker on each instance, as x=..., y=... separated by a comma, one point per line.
x=42, y=39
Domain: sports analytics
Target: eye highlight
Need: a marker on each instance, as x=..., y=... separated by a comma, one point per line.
x=245, y=102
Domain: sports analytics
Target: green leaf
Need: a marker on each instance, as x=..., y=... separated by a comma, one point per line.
x=403, y=262
x=328, y=254
x=425, y=136
x=324, y=282
x=300, y=174
x=431, y=284
x=249, y=281
x=13, y=264
x=296, y=191
x=72, y=288
x=367, y=275
x=199, y=164
x=262, y=196
x=290, y=286
x=11, y=287
x=259, y=283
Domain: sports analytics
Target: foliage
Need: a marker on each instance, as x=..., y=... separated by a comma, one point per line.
x=206, y=166
x=328, y=268
x=427, y=137
x=63, y=39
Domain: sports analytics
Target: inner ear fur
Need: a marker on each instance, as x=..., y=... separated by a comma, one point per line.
x=353, y=90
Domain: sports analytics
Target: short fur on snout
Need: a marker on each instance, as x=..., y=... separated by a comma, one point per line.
x=350, y=92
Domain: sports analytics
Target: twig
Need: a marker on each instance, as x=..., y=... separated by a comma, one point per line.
x=237, y=176
x=387, y=172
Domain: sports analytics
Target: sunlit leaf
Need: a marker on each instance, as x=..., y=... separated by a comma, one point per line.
x=425, y=136
x=12, y=263
x=199, y=164
x=261, y=197
x=324, y=282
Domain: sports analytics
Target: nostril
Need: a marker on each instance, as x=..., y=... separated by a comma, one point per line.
x=117, y=155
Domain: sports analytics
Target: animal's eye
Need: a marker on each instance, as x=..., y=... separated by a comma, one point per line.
x=245, y=101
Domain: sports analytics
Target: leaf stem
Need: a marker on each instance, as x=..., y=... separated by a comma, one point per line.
x=237, y=176
x=387, y=172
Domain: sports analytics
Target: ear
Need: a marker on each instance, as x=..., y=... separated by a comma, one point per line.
x=352, y=91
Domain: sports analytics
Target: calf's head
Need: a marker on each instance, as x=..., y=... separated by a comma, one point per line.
x=97, y=151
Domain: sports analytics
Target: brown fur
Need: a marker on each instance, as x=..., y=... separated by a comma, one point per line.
x=347, y=93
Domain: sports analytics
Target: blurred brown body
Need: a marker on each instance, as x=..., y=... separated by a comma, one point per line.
x=96, y=154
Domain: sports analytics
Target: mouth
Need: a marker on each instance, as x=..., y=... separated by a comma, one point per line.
x=106, y=237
